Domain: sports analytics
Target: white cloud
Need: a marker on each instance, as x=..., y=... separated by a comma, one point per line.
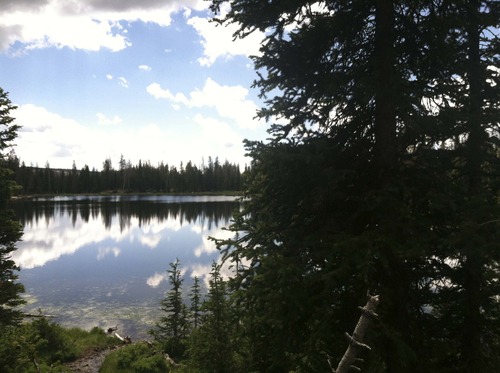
x=217, y=132
x=150, y=241
x=123, y=82
x=145, y=67
x=230, y=102
x=50, y=137
x=157, y=92
x=217, y=41
x=38, y=248
x=45, y=135
x=109, y=76
x=102, y=119
x=102, y=252
x=82, y=24
x=45, y=241
x=155, y=280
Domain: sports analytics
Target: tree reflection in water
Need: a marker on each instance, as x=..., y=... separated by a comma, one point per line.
x=93, y=260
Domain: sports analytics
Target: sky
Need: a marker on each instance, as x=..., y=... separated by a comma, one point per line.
x=152, y=80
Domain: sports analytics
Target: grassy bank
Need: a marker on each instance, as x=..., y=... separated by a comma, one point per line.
x=39, y=345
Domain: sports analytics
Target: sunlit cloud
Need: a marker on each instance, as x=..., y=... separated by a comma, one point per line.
x=157, y=92
x=46, y=240
x=123, y=82
x=145, y=68
x=218, y=132
x=102, y=252
x=229, y=102
x=37, y=249
x=218, y=41
x=202, y=271
x=155, y=280
x=57, y=23
x=102, y=119
x=47, y=136
x=208, y=246
x=150, y=241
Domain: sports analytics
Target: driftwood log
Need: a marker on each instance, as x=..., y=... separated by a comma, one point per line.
x=126, y=339
x=356, y=340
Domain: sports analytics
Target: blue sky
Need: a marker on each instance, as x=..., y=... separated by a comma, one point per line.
x=152, y=80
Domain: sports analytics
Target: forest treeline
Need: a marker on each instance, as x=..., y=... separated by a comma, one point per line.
x=127, y=178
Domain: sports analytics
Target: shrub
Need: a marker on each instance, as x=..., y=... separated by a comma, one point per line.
x=43, y=346
x=135, y=358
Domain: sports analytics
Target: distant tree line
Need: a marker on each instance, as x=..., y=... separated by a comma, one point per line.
x=140, y=178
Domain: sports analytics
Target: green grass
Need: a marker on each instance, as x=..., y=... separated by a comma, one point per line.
x=84, y=341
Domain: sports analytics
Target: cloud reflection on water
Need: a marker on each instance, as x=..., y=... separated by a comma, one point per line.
x=59, y=230
x=100, y=260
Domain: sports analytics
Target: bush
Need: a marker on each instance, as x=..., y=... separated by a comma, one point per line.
x=85, y=341
x=44, y=346
x=135, y=358
x=34, y=347
x=53, y=344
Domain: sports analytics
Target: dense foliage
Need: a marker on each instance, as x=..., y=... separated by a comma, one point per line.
x=43, y=346
x=381, y=175
x=141, y=178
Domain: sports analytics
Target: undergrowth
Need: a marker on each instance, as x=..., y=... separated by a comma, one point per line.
x=44, y=346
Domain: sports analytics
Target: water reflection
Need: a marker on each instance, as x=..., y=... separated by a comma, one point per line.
x=102, y=260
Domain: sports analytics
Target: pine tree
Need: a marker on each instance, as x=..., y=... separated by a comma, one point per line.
x=361, y=184
x=467, y=96
x=195, y=298
x=171, y=331
x=210, y=348
x=10, y=229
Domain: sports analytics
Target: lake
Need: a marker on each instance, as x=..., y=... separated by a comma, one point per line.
x=102, y=260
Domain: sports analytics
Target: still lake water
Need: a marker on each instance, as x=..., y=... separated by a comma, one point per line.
x=102, y=261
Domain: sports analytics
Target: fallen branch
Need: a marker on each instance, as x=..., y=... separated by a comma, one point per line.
x=111, y=329
x=356, y=340
x=126, y=339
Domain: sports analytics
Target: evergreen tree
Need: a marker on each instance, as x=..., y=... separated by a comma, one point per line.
x=467, y=96
x=195, y=298
x=10, y=229
x=210, y=348
x=171, y=330
x=362, y=187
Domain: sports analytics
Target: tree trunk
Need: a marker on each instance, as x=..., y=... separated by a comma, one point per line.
x=385, y=112
x=473, y=265
x=356, y=341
